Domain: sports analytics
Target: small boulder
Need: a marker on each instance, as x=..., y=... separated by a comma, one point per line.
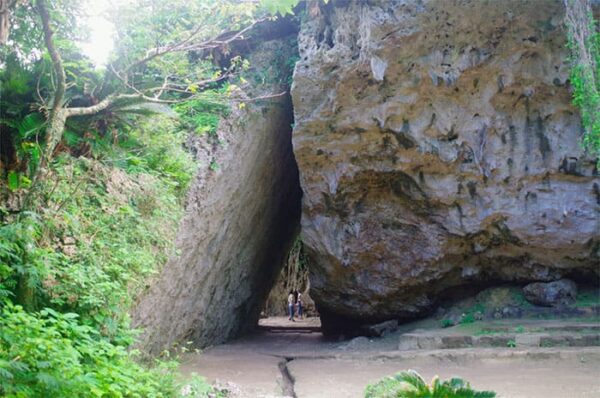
x=511, y=311
x=551, y=294
x=451, y=318
x=380, y=329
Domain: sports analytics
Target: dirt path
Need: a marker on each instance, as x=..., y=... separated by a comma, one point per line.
x=306, y=365
x=511, y=378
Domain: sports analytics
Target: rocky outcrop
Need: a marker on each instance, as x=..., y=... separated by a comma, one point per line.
x=241, y=219
x=437, y=149
x=561, y=292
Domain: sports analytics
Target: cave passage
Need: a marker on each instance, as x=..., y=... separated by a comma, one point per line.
x=293, y=279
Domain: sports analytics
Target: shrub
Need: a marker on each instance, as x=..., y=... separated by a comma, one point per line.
x=409, y=384
x=49, y=354
x=446, y=323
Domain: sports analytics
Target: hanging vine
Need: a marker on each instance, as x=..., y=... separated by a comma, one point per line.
x=584, y=43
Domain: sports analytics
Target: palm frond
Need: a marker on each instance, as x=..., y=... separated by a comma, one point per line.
x=412, y=378
x=409, y=384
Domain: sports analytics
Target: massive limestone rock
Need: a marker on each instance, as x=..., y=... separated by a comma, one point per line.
x=242, y=216
x=438, y=150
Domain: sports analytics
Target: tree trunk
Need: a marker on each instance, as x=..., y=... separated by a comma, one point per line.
x=54, y=132
x=4, y=21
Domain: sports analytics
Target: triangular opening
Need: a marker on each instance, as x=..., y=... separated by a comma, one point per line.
x=289, y=306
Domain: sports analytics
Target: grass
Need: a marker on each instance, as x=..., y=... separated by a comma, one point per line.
x=588, y=298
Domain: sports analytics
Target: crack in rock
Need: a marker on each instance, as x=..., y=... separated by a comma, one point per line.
x=288, y=380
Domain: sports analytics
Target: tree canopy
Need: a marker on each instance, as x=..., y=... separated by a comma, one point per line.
x=163, y=55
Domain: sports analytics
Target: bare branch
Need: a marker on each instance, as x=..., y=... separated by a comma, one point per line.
x=124, y=80
x=169, y=88
x=187, y=45
x=100, y=106
x=37, y=87
x=198, y=84
x=163, y=87
x=262, y=97
x=113, y=98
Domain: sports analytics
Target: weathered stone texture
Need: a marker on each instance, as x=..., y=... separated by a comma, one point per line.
x=241, y=219
x=437, y=148
x=560, y=292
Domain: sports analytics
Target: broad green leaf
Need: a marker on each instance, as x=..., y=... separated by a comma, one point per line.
x=13, y=180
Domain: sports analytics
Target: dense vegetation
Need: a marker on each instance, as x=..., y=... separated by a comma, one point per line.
x=94, y=173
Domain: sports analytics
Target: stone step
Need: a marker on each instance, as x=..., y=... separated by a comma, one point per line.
x=424, y=341
x=290, y=329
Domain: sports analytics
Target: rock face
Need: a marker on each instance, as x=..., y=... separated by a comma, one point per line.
x=561, y=292
x=242, y=216
x=437, y=149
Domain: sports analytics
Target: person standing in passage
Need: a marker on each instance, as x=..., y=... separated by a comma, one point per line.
x=291, y=306
x=299, y=304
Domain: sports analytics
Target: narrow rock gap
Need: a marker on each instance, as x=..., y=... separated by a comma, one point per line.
x=227, y=276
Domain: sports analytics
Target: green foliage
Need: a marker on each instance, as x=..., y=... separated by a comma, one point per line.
x=202, y=114
x=472, y=313
x=587, y=297
x=20, y=84
x=114, y=233
x=156, y=147
x=164, y=23
x=198, y=387
x=584, y=43
x=26, y=38
x=84, y=256
x=213, y=166
x=511, y=343
x=24, y=263
x=467, y=318
x=446, y=323
x=106, y=225
x=519, y=329
x=101, y=232
x=409, y=384
x=13, y=180
x=281, y=7
x=49, y=354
